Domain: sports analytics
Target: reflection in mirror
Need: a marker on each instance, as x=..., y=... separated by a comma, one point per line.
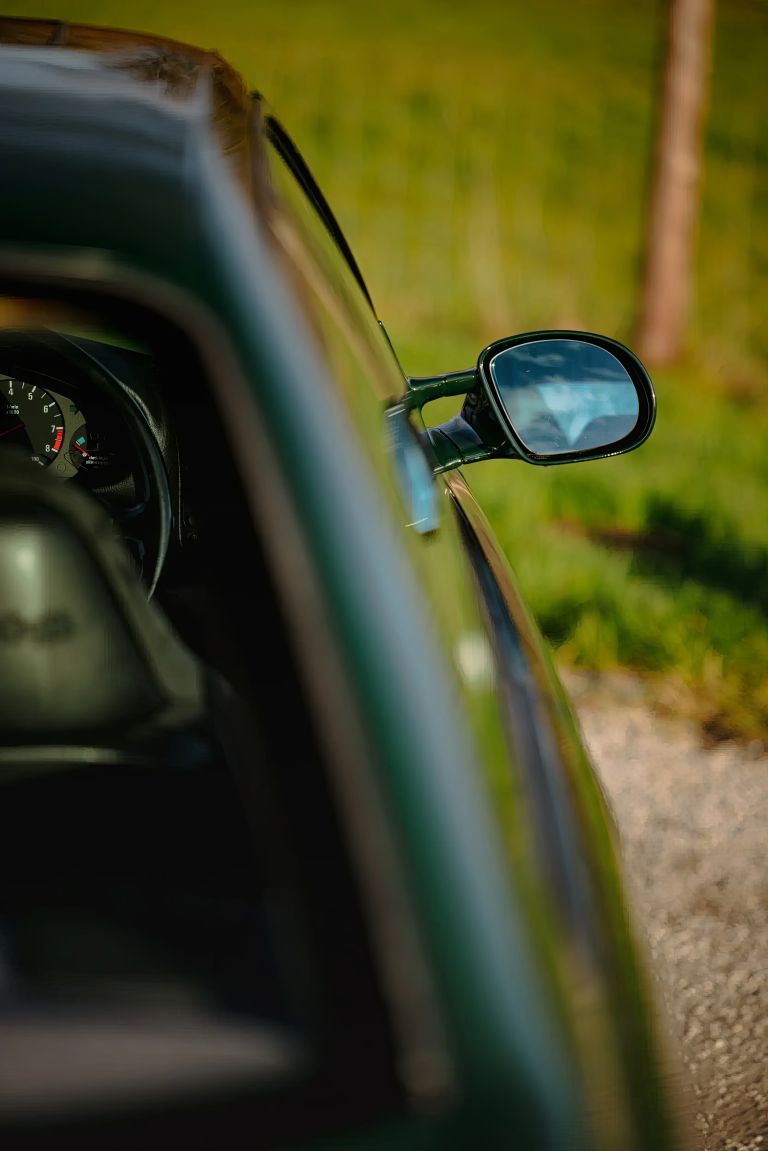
x=565, y=395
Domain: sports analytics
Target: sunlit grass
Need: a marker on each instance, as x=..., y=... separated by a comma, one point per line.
x=657, y=561
x=490, y=165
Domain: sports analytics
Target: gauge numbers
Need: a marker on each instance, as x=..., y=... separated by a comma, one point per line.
x=31, y=418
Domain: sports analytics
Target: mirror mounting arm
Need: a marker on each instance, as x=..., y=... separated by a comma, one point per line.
x=472, y=435
x=456, y=443
x=424, y=389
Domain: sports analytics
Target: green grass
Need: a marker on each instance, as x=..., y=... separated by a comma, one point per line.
x=657, y=561
x=490, y=165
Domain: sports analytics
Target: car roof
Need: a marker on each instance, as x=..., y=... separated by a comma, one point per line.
x=170, y=68
x=84, y=86
x=103, y=134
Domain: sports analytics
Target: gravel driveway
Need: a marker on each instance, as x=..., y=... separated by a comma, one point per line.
x=694, y=827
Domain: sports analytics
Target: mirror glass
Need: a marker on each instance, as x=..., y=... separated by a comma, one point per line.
x=565, y=395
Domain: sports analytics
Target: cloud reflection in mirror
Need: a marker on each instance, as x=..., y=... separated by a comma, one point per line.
x=565, y=395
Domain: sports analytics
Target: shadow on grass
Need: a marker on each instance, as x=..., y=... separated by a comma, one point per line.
x=677, y=544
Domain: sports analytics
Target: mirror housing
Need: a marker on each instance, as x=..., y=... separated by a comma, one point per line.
x=549, y=397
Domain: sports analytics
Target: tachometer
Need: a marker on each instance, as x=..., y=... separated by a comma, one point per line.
x=32, y=418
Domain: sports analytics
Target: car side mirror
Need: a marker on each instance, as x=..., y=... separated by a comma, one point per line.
x=560, y=398
x=544, y=397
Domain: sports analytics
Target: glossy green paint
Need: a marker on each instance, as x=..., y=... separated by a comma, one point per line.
x=626, y=1013
x=366, y=380
x=168, y=222
x=202, y=244
x=424, y=390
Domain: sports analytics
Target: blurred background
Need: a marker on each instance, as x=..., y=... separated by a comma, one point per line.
x=494, y=167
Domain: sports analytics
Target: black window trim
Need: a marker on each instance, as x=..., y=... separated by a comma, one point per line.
x=289, y=153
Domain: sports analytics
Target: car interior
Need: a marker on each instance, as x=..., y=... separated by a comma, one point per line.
x=179, y=923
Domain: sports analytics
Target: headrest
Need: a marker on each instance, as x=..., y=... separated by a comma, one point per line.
x=81, y=648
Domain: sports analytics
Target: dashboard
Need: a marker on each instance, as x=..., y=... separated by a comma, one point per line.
x=56, y=432
x=138, y=428
x=91, y=413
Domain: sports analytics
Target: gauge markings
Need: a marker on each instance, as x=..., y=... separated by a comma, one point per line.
x=31, y=418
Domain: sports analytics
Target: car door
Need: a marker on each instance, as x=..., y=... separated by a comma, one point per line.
x=550, y=808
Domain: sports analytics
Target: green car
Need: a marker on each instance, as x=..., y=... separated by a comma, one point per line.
x=301, y=845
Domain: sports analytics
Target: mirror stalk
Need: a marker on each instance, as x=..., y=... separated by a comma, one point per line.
x=424, y=389
x=456, y=443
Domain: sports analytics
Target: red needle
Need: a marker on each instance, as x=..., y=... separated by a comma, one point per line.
x=15, y=427
x=85, y=453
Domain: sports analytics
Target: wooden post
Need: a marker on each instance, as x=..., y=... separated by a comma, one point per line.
x=674, y=202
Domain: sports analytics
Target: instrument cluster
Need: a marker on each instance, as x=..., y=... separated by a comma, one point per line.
x=86, y=410
x=46, y=421
x=91, y=412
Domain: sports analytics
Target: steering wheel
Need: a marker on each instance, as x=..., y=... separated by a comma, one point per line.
x=146, y=524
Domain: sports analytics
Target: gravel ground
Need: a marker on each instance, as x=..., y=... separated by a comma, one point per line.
x=694, y=830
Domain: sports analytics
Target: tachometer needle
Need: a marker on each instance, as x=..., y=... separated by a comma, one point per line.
x=15, y=428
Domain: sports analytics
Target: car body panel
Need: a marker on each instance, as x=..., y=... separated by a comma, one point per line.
x=163, y=195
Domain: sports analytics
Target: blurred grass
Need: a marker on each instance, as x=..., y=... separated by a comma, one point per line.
x=490, y=166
